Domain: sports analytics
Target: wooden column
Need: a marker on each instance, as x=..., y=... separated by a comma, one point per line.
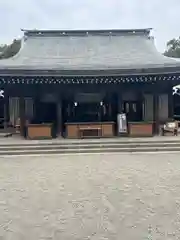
x=148, y=107
x=170, y=103
x=59, y=117
x=119, y=103
x=156, y=113
x=119, y=110
x=22, y=116
x=6, y=112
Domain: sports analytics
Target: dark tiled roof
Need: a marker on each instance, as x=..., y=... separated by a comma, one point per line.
x=88, y=50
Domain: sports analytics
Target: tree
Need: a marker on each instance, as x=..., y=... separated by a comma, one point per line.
x=3, y=47
x=10, y=50
x=173, y=48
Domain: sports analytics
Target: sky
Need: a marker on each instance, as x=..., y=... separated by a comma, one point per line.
x=162, y=15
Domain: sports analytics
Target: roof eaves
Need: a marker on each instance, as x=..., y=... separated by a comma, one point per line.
x=107, y=72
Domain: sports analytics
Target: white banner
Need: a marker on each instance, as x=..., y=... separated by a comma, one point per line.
x=122, y=123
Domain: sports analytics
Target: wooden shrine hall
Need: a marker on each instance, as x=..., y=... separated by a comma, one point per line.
x=87, y=83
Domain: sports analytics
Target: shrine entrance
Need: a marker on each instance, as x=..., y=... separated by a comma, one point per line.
x=133, y=110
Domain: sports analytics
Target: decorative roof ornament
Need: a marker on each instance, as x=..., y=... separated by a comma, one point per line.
x=1, y=93
x=176, y=90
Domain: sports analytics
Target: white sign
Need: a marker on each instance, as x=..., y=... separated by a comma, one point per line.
x=122, y=123
x=2, y=93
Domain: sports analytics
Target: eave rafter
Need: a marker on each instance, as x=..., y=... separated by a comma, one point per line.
x=88, y=80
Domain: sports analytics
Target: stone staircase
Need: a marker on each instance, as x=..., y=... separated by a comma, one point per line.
x=88, y=146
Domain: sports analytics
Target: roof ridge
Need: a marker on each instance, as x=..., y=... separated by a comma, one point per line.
x=43, y=32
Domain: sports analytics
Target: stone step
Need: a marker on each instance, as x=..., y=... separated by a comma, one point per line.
x=87, y=146
x=23, y=147
x=89, y=151
x=85, y=142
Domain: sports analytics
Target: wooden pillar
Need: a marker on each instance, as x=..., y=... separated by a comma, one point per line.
x=170, y=104
x=59, y=117
x=156, y=113
x=22, y=116
x=119, y=110
x=6, y=112
x=148, y=107
x=119, y=102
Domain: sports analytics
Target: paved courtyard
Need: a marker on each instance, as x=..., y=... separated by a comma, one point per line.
x=95, y=197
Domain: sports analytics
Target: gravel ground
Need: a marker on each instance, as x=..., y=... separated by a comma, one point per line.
x=95, y=197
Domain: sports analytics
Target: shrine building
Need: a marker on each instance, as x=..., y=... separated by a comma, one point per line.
x=75, y=84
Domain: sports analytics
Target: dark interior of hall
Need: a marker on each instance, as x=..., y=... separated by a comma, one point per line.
x=46, y=112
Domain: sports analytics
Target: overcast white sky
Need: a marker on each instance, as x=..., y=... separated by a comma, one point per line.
x=162, y=15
